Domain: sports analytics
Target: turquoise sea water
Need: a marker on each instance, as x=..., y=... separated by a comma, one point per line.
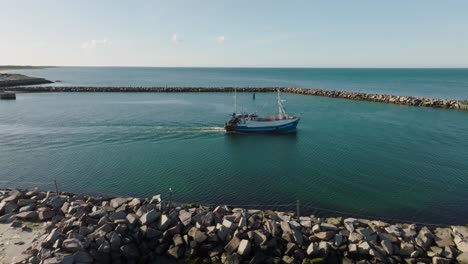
x=436, y=83
x=359, y=157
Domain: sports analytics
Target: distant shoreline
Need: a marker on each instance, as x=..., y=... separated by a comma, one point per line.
x=25, y=67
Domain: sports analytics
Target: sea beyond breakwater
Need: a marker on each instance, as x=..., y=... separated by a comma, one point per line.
x=86, y=229
x=381, y=98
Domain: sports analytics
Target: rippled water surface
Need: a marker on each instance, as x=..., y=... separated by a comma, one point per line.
x=359, y=157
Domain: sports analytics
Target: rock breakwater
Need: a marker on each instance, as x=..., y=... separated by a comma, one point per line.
x=381, y=98
x=86, y=229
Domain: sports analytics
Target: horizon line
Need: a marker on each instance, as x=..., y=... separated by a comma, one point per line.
x=237, y=67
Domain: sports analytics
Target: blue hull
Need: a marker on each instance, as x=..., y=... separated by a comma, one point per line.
x=281, y=129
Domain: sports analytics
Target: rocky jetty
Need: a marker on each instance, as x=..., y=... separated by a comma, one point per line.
x=7, y=96
x=10, y=80
x=381, y=98
x=86, y=229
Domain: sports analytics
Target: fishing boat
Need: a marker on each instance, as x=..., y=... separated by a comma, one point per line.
x=252, y=123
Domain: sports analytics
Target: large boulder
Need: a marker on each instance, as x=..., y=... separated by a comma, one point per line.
x=30, y=215
x=185, y=217
x=117, y=202
x=443, y=237
x=232, y=245
x=56, y=201
x=149, y=217
x=244, y=247
x=72, y=245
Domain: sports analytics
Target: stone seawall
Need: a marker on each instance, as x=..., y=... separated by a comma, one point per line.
x=381, y=98
x=84, y=229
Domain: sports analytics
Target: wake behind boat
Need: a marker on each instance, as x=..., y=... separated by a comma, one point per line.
x=251, y=123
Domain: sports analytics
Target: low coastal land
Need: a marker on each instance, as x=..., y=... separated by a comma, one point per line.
x=75, y=228
x=13, y=79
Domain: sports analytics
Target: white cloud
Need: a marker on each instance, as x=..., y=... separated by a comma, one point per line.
x=220, y=39
x=176, y=39
x=92, y=44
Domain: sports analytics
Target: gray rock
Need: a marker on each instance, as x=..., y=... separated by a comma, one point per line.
x=223, y=232
x=163, y=222
x=394, y=230
x=233, y=259
x=135, y=202
x=178, y=241
x=117, y=202
x=155, y=199
x=387, y=246
x=285, y=227
x=443, y=237
x=175, y=252
x=45, y=214
x=23, y=202
x=406, y=249
x=56, y=202
x=200, y=236
x=306, y=223
x=424, y=238
x=120, y=215
x=105, y=247
x=338, y=240
x=244, y=247
x=8, y=207
x=31, y=215
x=323, y=248
x=328, y=227
x=327, y=235
x=355, y=237
x=463, y=258
x=294, y=225
x=440, y=260
x=82, y=257
x=149, y=217
x=228, y=224
x=316, y=228
x=72, y=245
x=462, y=245
x=132, y=218
x=130, y=251
x=259, y=238
x=287, y=259
x=313, y=249
x=290, y=247
x=185, y=217
x=363, y=248
x=460, y=230
x=115, y=241
x=13, y=195
x=448, y=253
x=297, y=235
x=232, y=245
x=28, y=207
x=51, y=237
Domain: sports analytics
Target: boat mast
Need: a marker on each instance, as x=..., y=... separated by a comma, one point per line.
x=281, y=111
x=235, y=100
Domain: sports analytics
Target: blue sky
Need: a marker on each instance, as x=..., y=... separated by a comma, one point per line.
x=361, y=33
